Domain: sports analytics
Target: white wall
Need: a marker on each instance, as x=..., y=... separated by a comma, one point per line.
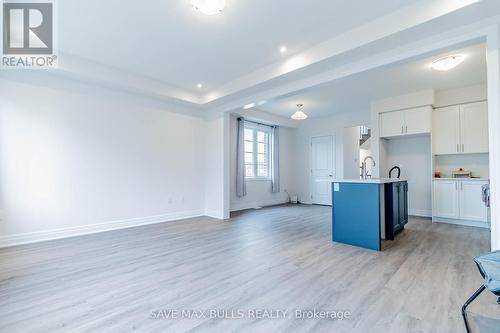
x=364, y=152
x=413, y=156
x=78, y=159
x=477, y=163
x=215, y=167
x=333, y=125
x=351, y=152
x=259, y=191
x=461, y=95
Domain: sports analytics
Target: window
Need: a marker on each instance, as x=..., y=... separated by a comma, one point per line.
x=257, y=151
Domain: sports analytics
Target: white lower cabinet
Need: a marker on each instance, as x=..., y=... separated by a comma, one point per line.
x=446, y=199
x=459, y=201
x=471, y=206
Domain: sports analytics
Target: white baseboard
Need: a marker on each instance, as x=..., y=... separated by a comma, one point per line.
x=236, y=206
x=214, y=214
x=420, y=212
x=467, y=223
x=39, y=236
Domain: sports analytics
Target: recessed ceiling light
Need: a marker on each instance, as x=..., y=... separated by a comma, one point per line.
x=249, y=106
x=209, y=7
x=448, y=62
x=283, y=49
x=299, y=114
x=199, y=85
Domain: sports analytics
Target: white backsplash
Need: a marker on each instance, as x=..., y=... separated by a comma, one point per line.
x=477, y=163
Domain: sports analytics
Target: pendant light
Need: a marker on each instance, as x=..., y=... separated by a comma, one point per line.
x=299, y=114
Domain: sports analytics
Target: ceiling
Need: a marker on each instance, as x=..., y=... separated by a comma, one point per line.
x=162, y=49
x=355, y=93
x=169, y=41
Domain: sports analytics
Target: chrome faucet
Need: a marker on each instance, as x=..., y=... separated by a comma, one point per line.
x=364, y=171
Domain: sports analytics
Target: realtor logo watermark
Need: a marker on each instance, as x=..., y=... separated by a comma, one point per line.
x=28, y=32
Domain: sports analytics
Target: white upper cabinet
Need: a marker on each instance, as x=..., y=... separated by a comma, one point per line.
x=446, y=130
x=405, y=122
x=460, y=129
x=391, y=123
x=418, y=120
x=474, y=127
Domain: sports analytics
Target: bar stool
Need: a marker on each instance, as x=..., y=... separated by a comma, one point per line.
x=489, y=267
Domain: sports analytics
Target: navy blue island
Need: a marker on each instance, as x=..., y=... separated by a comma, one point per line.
x=365, y=211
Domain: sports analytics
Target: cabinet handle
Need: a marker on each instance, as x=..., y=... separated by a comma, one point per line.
x=401, y=129
x=463, y=148
x=406, y=128
x=458, y=148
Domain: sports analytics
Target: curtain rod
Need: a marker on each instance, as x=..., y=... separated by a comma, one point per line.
x=255, y=122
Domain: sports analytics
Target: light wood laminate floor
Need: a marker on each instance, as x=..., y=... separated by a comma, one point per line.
x=279, y=258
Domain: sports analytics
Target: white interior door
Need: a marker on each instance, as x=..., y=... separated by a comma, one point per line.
x=322, y=152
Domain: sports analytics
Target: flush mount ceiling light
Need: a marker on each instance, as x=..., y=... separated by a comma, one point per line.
x=299, y=114
x=209, y=7
x=283, y=49
x=199, y=85
x=446, y=63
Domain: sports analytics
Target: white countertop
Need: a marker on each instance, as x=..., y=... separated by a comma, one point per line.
x=366, y=181
x=467, y=179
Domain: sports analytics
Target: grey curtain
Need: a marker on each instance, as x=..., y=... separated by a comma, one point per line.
x=275, y=160
x=241, y=186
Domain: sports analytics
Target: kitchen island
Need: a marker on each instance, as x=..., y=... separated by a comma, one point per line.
x=365, y=211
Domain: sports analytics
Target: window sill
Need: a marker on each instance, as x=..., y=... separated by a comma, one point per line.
x=257, y=179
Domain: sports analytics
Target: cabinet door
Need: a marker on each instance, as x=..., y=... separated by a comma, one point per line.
x=391, y=123
x=471, y=206
x=418, y=120
x=474, y=127
x=403, y=204
x=446, y=130
x=445, y=199
x=396, y=214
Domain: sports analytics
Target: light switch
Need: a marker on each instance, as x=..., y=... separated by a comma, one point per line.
x=336, y=187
